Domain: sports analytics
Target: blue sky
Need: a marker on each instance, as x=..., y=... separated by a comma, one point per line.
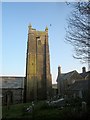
x=0, y=38
x=15, y=20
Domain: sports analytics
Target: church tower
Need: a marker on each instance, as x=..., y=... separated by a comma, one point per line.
x=38, y=82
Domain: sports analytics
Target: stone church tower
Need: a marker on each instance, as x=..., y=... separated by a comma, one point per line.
x=38, y=82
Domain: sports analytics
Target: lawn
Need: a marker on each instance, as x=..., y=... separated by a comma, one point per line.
x=40, y=111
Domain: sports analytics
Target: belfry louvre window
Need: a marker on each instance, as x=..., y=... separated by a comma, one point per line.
x=38, y=40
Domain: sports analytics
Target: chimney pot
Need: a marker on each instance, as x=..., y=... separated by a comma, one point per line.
x=59, y=70
x=83, y=69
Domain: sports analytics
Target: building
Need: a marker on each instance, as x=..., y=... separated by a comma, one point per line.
x=38, y=82
x=12, y=89
x=64, y=80
x=54, y=90
x=73, y=84
x=78, y=89
x=81, y=88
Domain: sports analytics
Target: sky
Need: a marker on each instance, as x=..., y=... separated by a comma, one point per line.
x=15, y=20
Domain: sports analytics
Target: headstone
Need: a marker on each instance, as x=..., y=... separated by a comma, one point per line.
x=84, y=106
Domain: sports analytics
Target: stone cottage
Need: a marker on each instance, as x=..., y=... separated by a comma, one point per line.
x=64, y=80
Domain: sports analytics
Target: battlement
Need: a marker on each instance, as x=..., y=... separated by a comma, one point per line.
x=37, y=32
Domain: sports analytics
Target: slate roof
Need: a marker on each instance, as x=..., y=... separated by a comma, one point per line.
x=65, y=76
x=11, y=82
x=79, y=85
x=84, y=74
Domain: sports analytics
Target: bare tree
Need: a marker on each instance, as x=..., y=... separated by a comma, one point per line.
x=78, y=31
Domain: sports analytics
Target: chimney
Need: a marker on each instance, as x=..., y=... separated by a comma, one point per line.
x=83, y=69
x=59, y=70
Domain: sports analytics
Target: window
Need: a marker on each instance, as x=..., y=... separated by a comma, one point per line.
x=38, y=41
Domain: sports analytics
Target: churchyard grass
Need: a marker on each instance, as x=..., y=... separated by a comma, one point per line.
x=40, y=111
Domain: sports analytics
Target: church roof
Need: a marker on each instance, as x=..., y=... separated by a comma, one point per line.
x=11, y=82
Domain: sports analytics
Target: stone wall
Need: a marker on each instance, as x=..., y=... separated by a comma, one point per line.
x=12, y=96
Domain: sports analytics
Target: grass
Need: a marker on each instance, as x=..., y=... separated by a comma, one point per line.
x=41, y=112
x=14, y=111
